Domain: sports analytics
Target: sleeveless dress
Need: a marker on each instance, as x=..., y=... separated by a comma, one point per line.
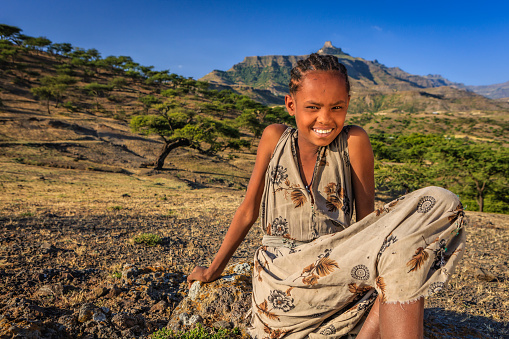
x=316, y=276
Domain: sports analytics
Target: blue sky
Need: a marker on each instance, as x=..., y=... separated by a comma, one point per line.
x=464, y=41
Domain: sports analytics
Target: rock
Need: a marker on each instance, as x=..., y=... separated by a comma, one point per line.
x=99, y=317
x=86, y=312
x=113, y=292
x=129, y=272
x=46, y=247
x=125, y=320
x=128, y=334
x=49, y=290
x=22, y=329
x=222, y=324
x=243, y=268
x=484, y=275
x=227, y=299
x=68, y=322
x=194, y=319
x=159, y=307
x=194, y=290
x=98, y=292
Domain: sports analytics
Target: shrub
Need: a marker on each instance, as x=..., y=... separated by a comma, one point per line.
x=147, y=239
x=197, y=333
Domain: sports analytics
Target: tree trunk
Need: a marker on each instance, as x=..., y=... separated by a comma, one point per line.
x=480, y=195
x=167, y=148
x=480, y=202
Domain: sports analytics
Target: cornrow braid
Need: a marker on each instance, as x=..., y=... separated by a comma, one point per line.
x=316, y=62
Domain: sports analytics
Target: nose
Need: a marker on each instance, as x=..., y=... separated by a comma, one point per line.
x=324, y=116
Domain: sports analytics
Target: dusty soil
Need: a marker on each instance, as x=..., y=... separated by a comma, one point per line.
x=59, y=254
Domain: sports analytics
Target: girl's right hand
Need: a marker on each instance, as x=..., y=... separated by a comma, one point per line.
x=200, y=273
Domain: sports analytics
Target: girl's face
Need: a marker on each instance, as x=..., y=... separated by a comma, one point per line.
x=319, y=107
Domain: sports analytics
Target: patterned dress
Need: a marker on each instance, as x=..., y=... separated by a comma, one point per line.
x=316, y=276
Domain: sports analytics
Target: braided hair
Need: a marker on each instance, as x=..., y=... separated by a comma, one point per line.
x=316, y=62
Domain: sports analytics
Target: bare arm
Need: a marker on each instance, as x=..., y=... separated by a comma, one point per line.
x=362, y=164
x=247, y=213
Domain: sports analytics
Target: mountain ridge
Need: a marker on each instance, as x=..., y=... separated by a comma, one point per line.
x=272, y=73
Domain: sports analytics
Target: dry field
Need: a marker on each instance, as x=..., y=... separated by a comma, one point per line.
x=89, y=219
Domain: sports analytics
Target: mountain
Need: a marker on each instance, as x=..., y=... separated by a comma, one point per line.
x=497, y=91
x=272, y=73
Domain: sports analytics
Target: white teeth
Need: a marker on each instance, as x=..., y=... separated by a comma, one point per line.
x=322, y=131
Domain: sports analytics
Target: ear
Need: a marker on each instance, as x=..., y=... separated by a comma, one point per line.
x=290, y=104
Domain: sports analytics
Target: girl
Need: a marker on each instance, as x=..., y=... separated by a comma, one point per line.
x=317, y=276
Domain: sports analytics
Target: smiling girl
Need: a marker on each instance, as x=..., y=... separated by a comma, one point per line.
x=316, y=274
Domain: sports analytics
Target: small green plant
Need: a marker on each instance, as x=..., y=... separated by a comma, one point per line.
x=115, y=208
x=27, y=214
x=147, y=239
x=199, y=332
x=116, y=275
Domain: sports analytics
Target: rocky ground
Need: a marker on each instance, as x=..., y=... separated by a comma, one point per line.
x=81, y=275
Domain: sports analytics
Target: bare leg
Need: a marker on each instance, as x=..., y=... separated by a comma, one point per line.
x=402, y=321
x=371, y=327
x=394, y=321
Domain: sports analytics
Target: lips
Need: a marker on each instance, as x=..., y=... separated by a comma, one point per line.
x=322, y=131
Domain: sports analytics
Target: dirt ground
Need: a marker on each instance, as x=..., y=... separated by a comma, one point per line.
x=73, y=228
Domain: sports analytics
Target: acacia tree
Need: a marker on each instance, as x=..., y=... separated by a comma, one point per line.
x=53, y=88
x=97, y=90
x=473, y=170
x=180, y=127
x=476, y=168
x=8, y=32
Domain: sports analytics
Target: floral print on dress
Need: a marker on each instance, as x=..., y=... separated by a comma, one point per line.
x=323, y=159
x=425, y=204
x=346, y=158
x=263, y=309
x=391, y=239
x=322, y=267
x=440, y=256
x=388, y=207
x=435, y=287
x=420, y=256
x=278, y=175
x=293, y=191
x=281, y=300
x=279, y=226
x=335, y=197
x=380, y=283
x=357, y=290
x=329, y=330
x=360, y=272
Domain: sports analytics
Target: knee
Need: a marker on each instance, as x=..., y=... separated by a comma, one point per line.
x=439, y=194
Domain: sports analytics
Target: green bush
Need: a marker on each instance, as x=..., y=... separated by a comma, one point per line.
x=147, y=239
x=197, y=333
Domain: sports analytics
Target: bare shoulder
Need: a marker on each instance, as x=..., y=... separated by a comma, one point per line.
x=358, y=139
x=270, y=138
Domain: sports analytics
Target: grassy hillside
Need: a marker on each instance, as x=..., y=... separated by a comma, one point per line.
x=74, y=109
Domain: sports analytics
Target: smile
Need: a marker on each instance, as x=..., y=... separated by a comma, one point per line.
x=322, y=131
